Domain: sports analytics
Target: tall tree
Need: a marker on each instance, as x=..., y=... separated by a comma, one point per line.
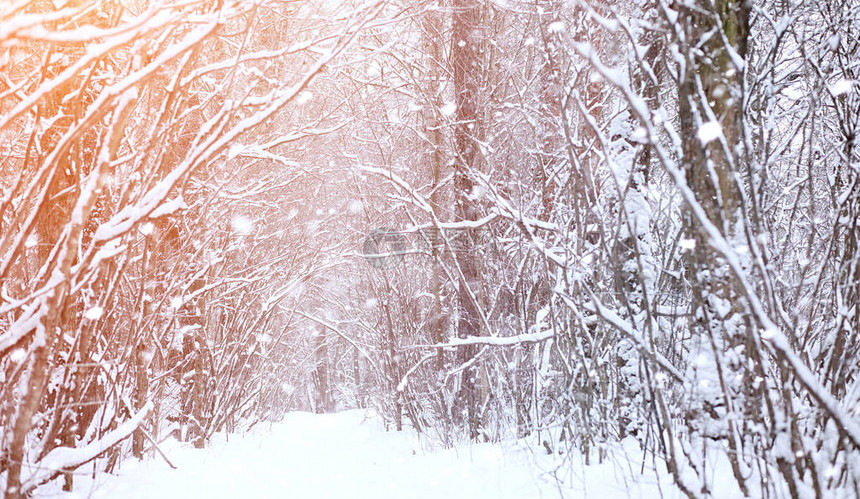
x=467, y=39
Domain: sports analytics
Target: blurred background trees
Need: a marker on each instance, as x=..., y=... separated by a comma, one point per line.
x=143, y=280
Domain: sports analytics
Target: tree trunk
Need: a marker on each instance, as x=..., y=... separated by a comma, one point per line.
x=465, y=59
x=711, y=96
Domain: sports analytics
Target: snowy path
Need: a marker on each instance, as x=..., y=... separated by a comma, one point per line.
x=341, y=456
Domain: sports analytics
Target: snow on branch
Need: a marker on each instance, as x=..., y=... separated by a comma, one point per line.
x=498, y=341
x=66, y=458
x=769, y=331
x=23, y=325
x=627, y=330
x=333, y=328
x=94, y=54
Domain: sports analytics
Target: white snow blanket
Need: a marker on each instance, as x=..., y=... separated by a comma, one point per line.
x=350, y=455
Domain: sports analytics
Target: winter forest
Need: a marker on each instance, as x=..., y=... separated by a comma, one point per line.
x=574, y=223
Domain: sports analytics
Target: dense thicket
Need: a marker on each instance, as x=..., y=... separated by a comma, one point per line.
x=576, y=222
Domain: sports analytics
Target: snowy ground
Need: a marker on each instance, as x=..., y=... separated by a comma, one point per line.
x=349, y=455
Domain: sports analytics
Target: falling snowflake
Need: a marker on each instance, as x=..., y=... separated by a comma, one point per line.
x=17, y=355
x=235, y=150
x=242, y=225
x=709, y=132
x=449, y=109
x=355, y=206
x=304, y=97
x=556, y=27
x=639, y=135
x=841, y=87
x=94, y=313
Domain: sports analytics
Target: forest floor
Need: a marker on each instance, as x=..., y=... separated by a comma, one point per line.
x=350, y=455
